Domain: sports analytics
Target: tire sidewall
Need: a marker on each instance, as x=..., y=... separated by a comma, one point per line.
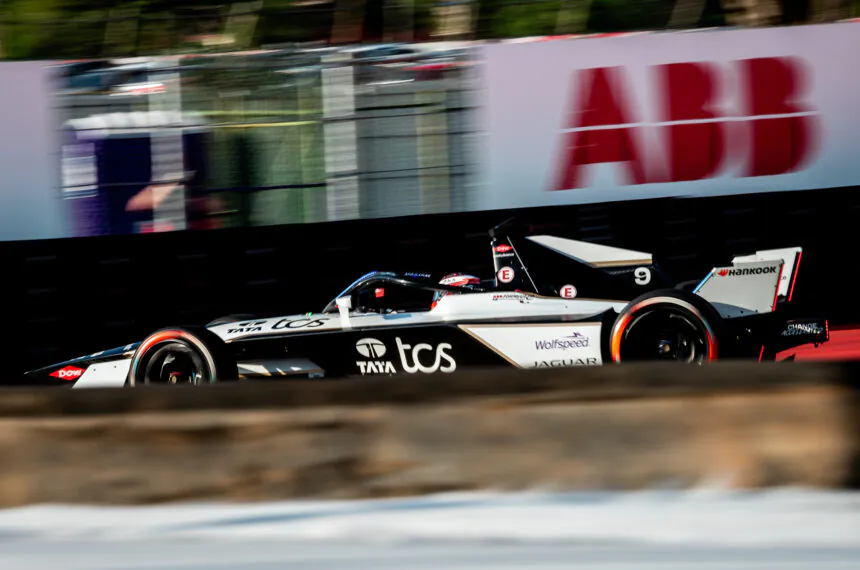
x=691, y=303
x=220, y=363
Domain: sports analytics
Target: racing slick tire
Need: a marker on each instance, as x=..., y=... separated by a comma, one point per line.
x=182, y=355
x=231, y=319
x=666, y=325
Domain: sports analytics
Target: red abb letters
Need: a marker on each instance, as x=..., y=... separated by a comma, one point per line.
x=768, y=132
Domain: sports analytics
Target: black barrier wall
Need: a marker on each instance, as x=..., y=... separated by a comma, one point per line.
x=66, y=298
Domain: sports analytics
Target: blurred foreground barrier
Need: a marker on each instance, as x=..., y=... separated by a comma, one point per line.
x=612, y=427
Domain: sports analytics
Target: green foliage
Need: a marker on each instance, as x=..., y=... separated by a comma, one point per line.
x=70, y=29
x=629, y=15
x=534, y=18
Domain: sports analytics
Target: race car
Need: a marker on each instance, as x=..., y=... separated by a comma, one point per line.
x=551, y=302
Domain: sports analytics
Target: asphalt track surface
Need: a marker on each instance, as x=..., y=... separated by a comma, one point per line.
x=274, y=555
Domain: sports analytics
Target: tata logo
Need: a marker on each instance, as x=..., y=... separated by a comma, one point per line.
x=370, y=348
x=749, y=118
x=374, y=350
x=247, y=327
x=68, y=373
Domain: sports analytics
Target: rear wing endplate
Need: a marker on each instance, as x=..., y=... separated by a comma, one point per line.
x=790, y=257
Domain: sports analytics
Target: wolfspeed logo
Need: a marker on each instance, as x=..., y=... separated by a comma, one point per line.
x=746, y=271
x=576, y=340
x=410, y=357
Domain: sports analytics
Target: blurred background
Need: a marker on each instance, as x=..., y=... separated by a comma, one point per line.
x=201, y=115
x=122, y=118
x=111, y=28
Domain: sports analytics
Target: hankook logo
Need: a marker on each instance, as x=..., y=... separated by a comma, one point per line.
x=746, y=271
x=370, y=348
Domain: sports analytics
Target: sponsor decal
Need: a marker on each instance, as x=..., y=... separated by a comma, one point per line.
x=373, y=349
x=701, y=132
x=411, y=357
x=379, y=292
x=505, y=274
x=299, y=324
x=512, y=297
x=247, y=327
x=68, y=373
x=802, y=329
x=569, y=342
x=503, y=248
x=567, y=291
x=423, y=275
x=458, y=280
x=746, y=271
x=565, y=362
x=370, y=348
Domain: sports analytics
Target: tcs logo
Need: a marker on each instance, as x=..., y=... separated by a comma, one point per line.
x=751, y=118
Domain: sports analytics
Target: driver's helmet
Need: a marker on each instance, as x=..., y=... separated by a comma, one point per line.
x=455, y=280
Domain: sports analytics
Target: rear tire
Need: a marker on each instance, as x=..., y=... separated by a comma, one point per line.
x=182, y=355
x=666, y=325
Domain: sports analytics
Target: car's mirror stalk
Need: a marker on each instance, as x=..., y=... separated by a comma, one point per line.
x=344, y=304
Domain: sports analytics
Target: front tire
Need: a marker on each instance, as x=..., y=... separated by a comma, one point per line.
x=666, y=325
x=179, y=355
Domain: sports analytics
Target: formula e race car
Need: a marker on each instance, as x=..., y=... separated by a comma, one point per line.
x=552, y=302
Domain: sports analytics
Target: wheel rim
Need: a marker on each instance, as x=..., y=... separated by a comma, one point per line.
x=668, y=334
x=172, y=363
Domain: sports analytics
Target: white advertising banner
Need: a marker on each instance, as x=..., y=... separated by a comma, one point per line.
x=30, y=204
x=675, y=114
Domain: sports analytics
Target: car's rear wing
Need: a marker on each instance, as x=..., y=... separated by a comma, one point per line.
x=573, y=268
x=791, y=264
x=752, y=284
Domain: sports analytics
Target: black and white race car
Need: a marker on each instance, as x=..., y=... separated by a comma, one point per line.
x=553, y=302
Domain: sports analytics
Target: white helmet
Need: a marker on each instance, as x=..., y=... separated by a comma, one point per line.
x=454, y=280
